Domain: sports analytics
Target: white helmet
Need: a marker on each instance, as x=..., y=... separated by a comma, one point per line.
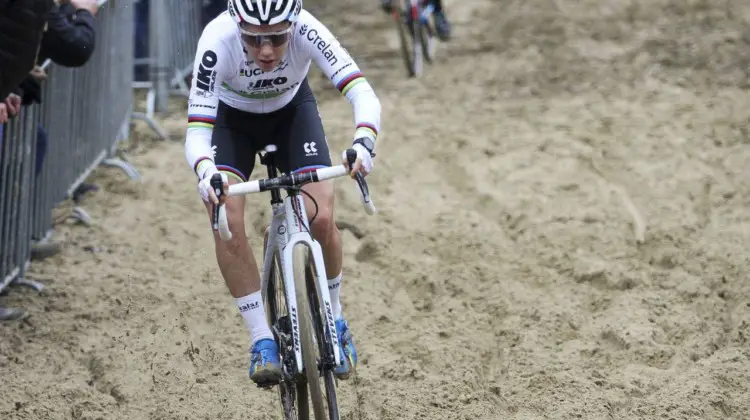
x=264, y=12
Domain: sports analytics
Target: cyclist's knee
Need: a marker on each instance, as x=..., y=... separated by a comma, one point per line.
x=235, y=218
x=235, y=210
x=236, y=215
x=323, y=223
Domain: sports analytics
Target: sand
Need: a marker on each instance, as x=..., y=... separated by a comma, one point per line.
x=562, y=234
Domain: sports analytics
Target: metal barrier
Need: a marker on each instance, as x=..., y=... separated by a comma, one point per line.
x=86, y=112
x=174, y=29
x=16, y=176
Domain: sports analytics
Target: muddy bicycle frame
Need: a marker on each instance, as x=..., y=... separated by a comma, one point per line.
x=289, y=228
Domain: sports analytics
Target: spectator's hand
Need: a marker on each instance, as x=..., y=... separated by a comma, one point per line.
x=13, y=104
x=3, y=113
x=39, y=74
x=90, y=5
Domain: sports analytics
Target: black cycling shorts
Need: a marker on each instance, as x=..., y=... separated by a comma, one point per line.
x=295, y=129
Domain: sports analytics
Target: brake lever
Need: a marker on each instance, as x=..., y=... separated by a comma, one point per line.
x=351, y=157
x=219, y=216
x=218, y=187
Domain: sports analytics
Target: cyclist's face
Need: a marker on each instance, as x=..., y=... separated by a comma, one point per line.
x=266, y=43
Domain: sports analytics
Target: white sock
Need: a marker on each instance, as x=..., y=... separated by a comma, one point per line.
x=254, y=314
x=334, y=289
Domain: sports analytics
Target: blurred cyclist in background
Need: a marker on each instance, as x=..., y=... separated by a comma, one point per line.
x=442, y=26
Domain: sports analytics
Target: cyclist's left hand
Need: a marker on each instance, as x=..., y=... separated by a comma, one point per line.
x=363, y=164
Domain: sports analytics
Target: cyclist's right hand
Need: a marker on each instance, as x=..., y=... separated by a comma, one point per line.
x=207, y=192
x=363, y=164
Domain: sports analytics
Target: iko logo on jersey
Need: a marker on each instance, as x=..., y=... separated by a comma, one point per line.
x=267, y=83
x=206, y=76
x=323, y=46
x=310, y=149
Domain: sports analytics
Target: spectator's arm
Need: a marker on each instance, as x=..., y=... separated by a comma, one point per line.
x=70, y=37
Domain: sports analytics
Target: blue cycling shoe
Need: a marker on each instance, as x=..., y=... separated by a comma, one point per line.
x=348, y=353
x=442, y=26
x=265, y=368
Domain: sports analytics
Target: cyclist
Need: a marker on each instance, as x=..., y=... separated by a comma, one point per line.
x=442, y=25
x=250, y=89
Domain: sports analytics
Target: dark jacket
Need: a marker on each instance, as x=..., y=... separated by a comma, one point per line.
x=21, y=26
x=69, y=42
x=70, y=37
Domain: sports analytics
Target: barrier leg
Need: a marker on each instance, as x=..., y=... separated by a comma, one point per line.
x=81, y=215
x=128, y=168
x=161, y=132
x=21, y=281
x=10, y=314
x=28, y=283
x=179, y=87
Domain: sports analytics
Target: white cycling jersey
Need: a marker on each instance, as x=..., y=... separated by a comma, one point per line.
x=224, y=71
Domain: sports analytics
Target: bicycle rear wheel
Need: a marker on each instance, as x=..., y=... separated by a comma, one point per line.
x=292, y=394
x=310, y=353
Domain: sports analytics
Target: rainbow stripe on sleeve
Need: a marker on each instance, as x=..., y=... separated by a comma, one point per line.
x=201, y=121
x=349, y=81
x=366, y=129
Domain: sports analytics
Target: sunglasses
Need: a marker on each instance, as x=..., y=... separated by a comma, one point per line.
x=255, y=40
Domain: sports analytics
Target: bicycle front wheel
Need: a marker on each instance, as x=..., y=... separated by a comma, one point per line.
x=308, y=343
x=292, y=394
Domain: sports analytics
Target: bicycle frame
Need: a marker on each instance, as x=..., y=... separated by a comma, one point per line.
x=289, y=228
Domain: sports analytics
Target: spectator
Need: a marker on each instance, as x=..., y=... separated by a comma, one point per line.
x=69, y=42
x=21, y=26
x=22, y=23
x=71, y=34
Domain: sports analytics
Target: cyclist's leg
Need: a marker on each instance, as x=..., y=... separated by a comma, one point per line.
x=442, y=25
x=305, y=148
x=235, y=156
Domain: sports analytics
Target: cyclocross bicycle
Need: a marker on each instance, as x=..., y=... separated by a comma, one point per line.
x=295, y=286
x=417, y=35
